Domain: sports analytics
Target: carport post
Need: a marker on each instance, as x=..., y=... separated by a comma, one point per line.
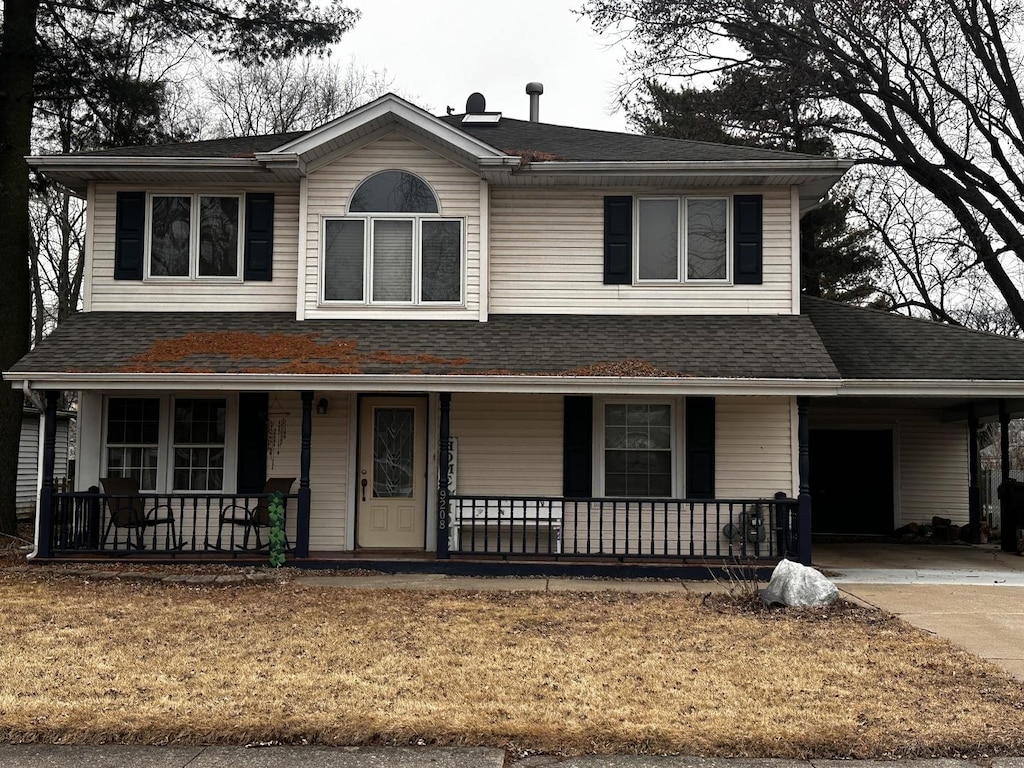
x=973, y=490
x=804, y=497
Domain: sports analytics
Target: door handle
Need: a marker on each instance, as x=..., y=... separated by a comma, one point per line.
x=364, y=488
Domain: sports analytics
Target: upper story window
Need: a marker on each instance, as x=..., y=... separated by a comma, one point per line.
x=194, y=236
x=394, y=247
x=682, y=239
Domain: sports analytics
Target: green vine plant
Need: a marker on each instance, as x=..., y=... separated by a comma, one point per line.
x=278, y=540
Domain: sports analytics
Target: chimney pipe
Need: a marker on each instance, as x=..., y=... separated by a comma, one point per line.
x=535, y=90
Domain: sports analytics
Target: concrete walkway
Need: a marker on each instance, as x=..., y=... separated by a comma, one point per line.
x=116, y=756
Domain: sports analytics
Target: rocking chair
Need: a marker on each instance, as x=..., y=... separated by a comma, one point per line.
x=127, y=510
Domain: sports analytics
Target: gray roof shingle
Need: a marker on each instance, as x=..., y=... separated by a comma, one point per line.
x=584, y=144
x=874, y=344
x=734, y=347
x=509, y=136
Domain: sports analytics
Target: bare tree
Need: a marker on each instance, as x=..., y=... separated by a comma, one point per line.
x=287, y=95
x=932, y=86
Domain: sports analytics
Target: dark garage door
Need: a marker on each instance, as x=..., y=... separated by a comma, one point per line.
x=851, y=481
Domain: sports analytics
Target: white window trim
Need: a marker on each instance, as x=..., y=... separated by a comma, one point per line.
x=165, y=446
x=683, y=230
x=598, y=447
x=193, y=238
x=417, y=264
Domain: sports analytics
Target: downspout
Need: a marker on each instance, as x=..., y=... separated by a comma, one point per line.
x=33, y=397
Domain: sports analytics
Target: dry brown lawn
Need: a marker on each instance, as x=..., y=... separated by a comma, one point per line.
x=107, y=661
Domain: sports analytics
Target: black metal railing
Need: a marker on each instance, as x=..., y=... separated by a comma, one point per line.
x=623, y=527
x=163, y=523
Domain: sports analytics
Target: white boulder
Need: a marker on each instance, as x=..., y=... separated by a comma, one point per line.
x=798, y=586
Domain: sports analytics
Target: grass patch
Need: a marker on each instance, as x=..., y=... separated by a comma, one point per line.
x=568, y=672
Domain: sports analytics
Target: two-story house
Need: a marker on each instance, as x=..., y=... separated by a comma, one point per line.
x=472, y=337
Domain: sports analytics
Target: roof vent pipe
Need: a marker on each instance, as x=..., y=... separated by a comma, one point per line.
x=535, y=90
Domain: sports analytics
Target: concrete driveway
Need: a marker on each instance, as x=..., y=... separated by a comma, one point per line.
x=972, y=596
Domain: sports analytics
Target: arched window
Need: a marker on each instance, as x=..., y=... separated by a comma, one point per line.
x=393, y=192
x=394, y=247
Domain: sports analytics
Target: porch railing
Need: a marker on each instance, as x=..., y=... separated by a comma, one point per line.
x=163, y=523
x=623, y=527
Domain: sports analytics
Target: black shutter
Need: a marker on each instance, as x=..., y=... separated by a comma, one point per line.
x=577, y=447
x=618, y=240
x=253, y=412
x=747, y=240
x=700, y=447
x=129, y=235
x=259, y=236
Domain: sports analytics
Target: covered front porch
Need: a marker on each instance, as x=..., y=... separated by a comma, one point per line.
x=471, y=511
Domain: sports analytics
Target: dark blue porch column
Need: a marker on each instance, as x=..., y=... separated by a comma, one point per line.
x=804, y=497
x=302, y=521
x=444, y=462
x=45, y=548
x=974, y=489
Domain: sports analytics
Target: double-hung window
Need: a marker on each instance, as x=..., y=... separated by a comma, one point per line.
x=194, y=236
x=200, y=426
x=637, y=449
x=682, y=239
x=133, y=439
x=193, y=449
x=393, y=247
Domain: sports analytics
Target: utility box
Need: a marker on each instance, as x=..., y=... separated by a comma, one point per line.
x=1011, y=508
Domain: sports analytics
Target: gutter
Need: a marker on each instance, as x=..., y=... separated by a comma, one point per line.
x=434, y=383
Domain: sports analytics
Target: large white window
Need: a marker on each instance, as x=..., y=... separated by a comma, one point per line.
x=682, y=239
x=193, y=454
x=393, y=247
x=194, y=236
x=637, y=449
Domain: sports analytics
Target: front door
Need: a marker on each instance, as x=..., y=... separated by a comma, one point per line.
x=391, y=509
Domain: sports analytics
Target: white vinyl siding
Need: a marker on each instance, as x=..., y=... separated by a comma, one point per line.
x=753, y=447
x=931, y=472
x=547, y=256
x=508, y=444
x=458, y=193
x=28, y=460
x=208, y=294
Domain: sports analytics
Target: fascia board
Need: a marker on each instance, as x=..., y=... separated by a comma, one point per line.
x=407, y=383
x=111, y=163
x=972, y=389
x=399, y=109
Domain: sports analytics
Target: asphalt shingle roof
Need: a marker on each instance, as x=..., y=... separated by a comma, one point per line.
x=873, y=344
x=584, y=144
x=509, y=136
x=765, y=346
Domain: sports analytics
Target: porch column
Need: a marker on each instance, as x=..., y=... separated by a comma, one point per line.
x=45, y=519
x=1007, y=533
x=973, y=489
x=444, y=462
x=804, y=497
x=302, y=520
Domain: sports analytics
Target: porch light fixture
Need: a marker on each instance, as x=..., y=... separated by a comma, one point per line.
x=322, y=405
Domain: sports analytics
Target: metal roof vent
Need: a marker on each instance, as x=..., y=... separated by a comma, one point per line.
x=476, y=111
x=534, y=90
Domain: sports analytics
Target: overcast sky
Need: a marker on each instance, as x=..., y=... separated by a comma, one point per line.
x=439, y=51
